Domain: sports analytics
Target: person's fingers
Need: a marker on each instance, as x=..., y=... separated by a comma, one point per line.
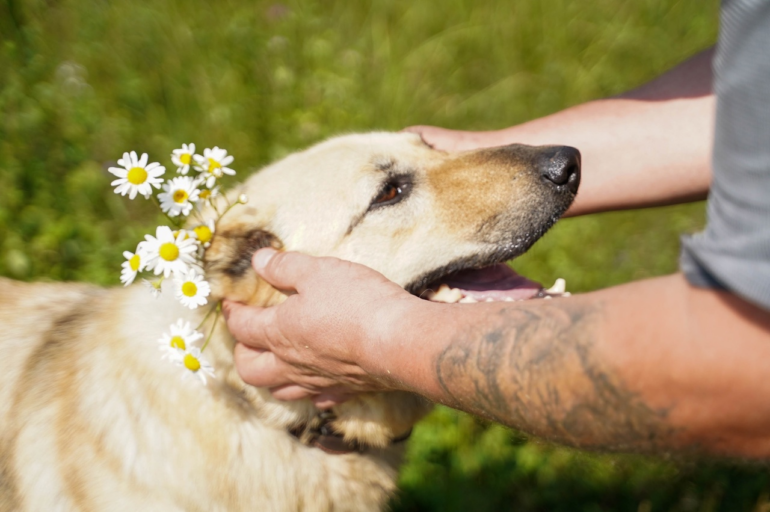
x=260, y=368
x=328, y=400
x=291, y=392
x=284, y=270
x=248, y=324
x=418, y=129
x=452, y=140
x=322, y=400
x=423, y=131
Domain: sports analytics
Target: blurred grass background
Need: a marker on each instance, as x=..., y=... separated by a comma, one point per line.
x=84, y=80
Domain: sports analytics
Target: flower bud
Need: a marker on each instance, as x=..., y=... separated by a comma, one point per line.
x=243, y=199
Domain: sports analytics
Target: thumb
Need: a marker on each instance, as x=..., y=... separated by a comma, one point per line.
x=286, y=271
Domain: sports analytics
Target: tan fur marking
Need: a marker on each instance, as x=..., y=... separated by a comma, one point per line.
x=474, y=188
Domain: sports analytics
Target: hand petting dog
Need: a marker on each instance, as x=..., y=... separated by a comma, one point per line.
x=277, y=349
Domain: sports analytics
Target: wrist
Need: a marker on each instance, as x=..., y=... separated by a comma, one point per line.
x=385, y=338
x=403, y=349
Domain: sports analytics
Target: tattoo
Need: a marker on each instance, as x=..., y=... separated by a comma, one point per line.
x=535, y=368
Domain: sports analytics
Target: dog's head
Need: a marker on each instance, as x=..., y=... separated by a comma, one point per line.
x=390, y=201
x=393, y=203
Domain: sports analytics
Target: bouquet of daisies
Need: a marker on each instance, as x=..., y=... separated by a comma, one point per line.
x=176, y=252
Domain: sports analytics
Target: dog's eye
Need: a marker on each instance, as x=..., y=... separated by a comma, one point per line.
x=393, y=191
x=388, y=194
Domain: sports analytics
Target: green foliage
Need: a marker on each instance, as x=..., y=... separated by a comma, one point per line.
x=82, y=81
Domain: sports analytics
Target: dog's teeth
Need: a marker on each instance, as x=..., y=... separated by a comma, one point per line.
x=558, y=288
x=548, y=297
x=446, y=295
x=456, y=296
x=467, y=300
x=489, y=299
x=508, y=299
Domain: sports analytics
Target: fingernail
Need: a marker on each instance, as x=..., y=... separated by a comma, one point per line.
x=262, y=257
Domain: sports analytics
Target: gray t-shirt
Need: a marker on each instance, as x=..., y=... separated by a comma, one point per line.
x=733, y=252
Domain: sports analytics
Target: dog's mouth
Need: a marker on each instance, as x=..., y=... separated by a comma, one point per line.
x=493, y=283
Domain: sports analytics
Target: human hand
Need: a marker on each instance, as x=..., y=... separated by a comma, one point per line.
x=314, y=343
x=458, y=140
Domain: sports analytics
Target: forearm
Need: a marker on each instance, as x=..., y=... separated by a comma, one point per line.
x=635, y=153
x=594, y=371
x=648, y=147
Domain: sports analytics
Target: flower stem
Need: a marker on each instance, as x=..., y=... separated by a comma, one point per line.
x=214, y=206
x=207, y=316
x=213, y=326
x=176, y=223
x=229, y=207
x=197, y=216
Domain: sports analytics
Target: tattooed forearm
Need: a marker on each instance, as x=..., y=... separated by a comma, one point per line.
x=537, y=369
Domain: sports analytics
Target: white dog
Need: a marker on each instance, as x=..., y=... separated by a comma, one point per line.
x=92, y=420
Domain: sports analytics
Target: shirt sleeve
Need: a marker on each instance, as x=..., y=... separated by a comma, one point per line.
x=733, y=252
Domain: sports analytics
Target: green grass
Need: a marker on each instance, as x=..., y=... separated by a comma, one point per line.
x=82, y=81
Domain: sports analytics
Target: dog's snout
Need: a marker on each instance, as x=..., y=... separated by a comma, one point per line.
x=561, y=166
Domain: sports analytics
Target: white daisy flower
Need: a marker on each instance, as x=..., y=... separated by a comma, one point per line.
x=205, y=232
x=165, y=254
x=184, y=232
x=207, y=195
x=183, y=158
x=178, y=196
x=153, y=286
x=132, y=266
x=179, y=339
x=136, y=177
x=215, y=163
x=195, y=365
x=191, y=290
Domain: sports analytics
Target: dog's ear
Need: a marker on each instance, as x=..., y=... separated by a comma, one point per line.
x=228, y=265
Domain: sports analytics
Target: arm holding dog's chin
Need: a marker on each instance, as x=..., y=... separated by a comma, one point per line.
x=648, y=147
x=650, y=366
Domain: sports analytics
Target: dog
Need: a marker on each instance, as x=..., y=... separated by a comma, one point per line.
x=92, y=420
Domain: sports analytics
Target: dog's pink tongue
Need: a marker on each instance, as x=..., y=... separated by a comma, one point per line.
x=496, y=282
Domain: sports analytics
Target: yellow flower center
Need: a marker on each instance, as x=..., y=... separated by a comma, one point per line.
x=185, y=158
x=134, y=262
x=137, y=175
x=180, y=196
x=191, y=363
x=203, y=233
x=169, y=251
x=178, y=342
x=213, y=164
x=204, y=194
x=189, y=289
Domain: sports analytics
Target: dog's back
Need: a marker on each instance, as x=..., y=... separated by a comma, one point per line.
x=87, y=422
x=32, y=316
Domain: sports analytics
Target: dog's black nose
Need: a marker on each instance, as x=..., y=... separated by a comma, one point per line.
x=561, y=166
